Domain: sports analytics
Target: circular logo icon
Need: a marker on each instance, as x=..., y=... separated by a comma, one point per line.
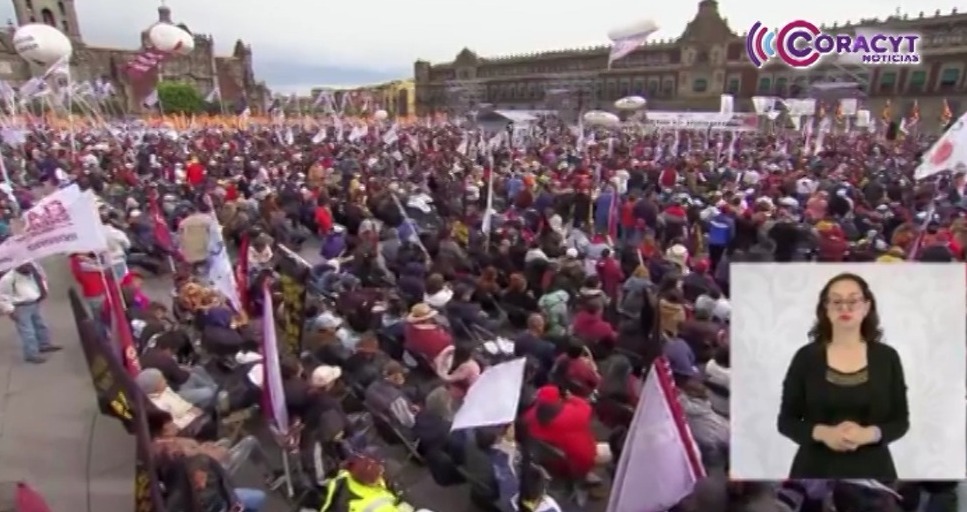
x=794, y=44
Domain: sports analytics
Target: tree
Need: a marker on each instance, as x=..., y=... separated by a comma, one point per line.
x=180, y=98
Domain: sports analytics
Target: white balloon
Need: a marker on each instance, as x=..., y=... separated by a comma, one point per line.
x=630, y=103
x=170, y=39
x=601, y=118
x=380, y=115
x=41, y=44
x=642, y=28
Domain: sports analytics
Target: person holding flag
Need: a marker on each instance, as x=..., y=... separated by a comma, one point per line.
x=946, y=115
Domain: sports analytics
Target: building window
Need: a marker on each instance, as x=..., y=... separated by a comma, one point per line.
x=61, y=8
x=668, y=88
x=653, y=88
x=733, y=86
x=949, y=78
x=66, y=28
x=700, y=85
x=765, y=85
x=30, y=5
x=781, y=85
x=887, y=81
x=917, y=81
x=48, y=16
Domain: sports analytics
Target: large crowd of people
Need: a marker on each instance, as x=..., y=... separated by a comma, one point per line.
x=443, y=251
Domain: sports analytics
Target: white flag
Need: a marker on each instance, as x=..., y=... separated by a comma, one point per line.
x=949, y=153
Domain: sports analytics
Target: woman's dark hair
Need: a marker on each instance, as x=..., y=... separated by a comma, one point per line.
x=461, y=354
x=575, y=348
x=157, y=420
x=822, y=330
x=533, y=483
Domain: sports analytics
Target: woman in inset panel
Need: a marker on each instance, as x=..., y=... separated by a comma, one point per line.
x=844, y=398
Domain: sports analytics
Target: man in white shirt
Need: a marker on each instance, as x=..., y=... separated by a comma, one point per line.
x=21, y=292
x=118, y=244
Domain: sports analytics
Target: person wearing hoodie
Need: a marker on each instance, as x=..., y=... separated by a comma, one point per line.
x=590, y=326
x=563, y=421
x=721, y=230
x=610, y=274
x=554, y=307
x=635, y=291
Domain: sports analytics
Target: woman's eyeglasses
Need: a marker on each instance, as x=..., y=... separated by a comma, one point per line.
x=845, y=304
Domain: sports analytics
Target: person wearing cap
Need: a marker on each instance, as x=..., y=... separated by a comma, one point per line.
x=325, y=342
x=711, y=430
x=422, y=336
x=360, y=486
x=563, y=421
x=386, y=396
x=318, y=406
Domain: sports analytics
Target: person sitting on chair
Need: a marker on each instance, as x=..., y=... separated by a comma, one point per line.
x=366, y=364
x=193, y=384
x=386, y=397
x=360, y=486
x=190, y=420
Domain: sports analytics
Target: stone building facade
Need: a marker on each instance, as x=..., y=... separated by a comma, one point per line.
x=693, y=70
x=202, y=68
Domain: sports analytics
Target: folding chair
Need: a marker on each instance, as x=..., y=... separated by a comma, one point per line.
x=557, y=465
x=390, y=433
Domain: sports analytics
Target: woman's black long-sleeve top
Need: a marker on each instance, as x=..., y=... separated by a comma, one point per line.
x=815, y=394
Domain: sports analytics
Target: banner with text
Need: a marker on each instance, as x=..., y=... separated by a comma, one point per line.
x=738, y=122
x=118, y=396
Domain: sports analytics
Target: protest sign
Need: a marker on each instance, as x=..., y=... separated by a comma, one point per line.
x=119, y=397
x=293, y=275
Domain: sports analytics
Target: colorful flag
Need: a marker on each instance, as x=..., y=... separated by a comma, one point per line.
x=162, y=235
x=887, y=114
x=121, y=325
x=220, y=271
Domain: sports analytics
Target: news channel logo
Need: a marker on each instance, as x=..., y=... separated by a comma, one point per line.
x=801, y=44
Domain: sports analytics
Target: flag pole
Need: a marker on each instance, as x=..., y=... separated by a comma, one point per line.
x=70, y=109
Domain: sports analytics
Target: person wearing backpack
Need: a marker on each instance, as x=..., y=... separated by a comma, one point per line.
x=554, y=307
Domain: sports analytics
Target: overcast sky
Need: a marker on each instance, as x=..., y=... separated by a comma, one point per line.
x=301, y=43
